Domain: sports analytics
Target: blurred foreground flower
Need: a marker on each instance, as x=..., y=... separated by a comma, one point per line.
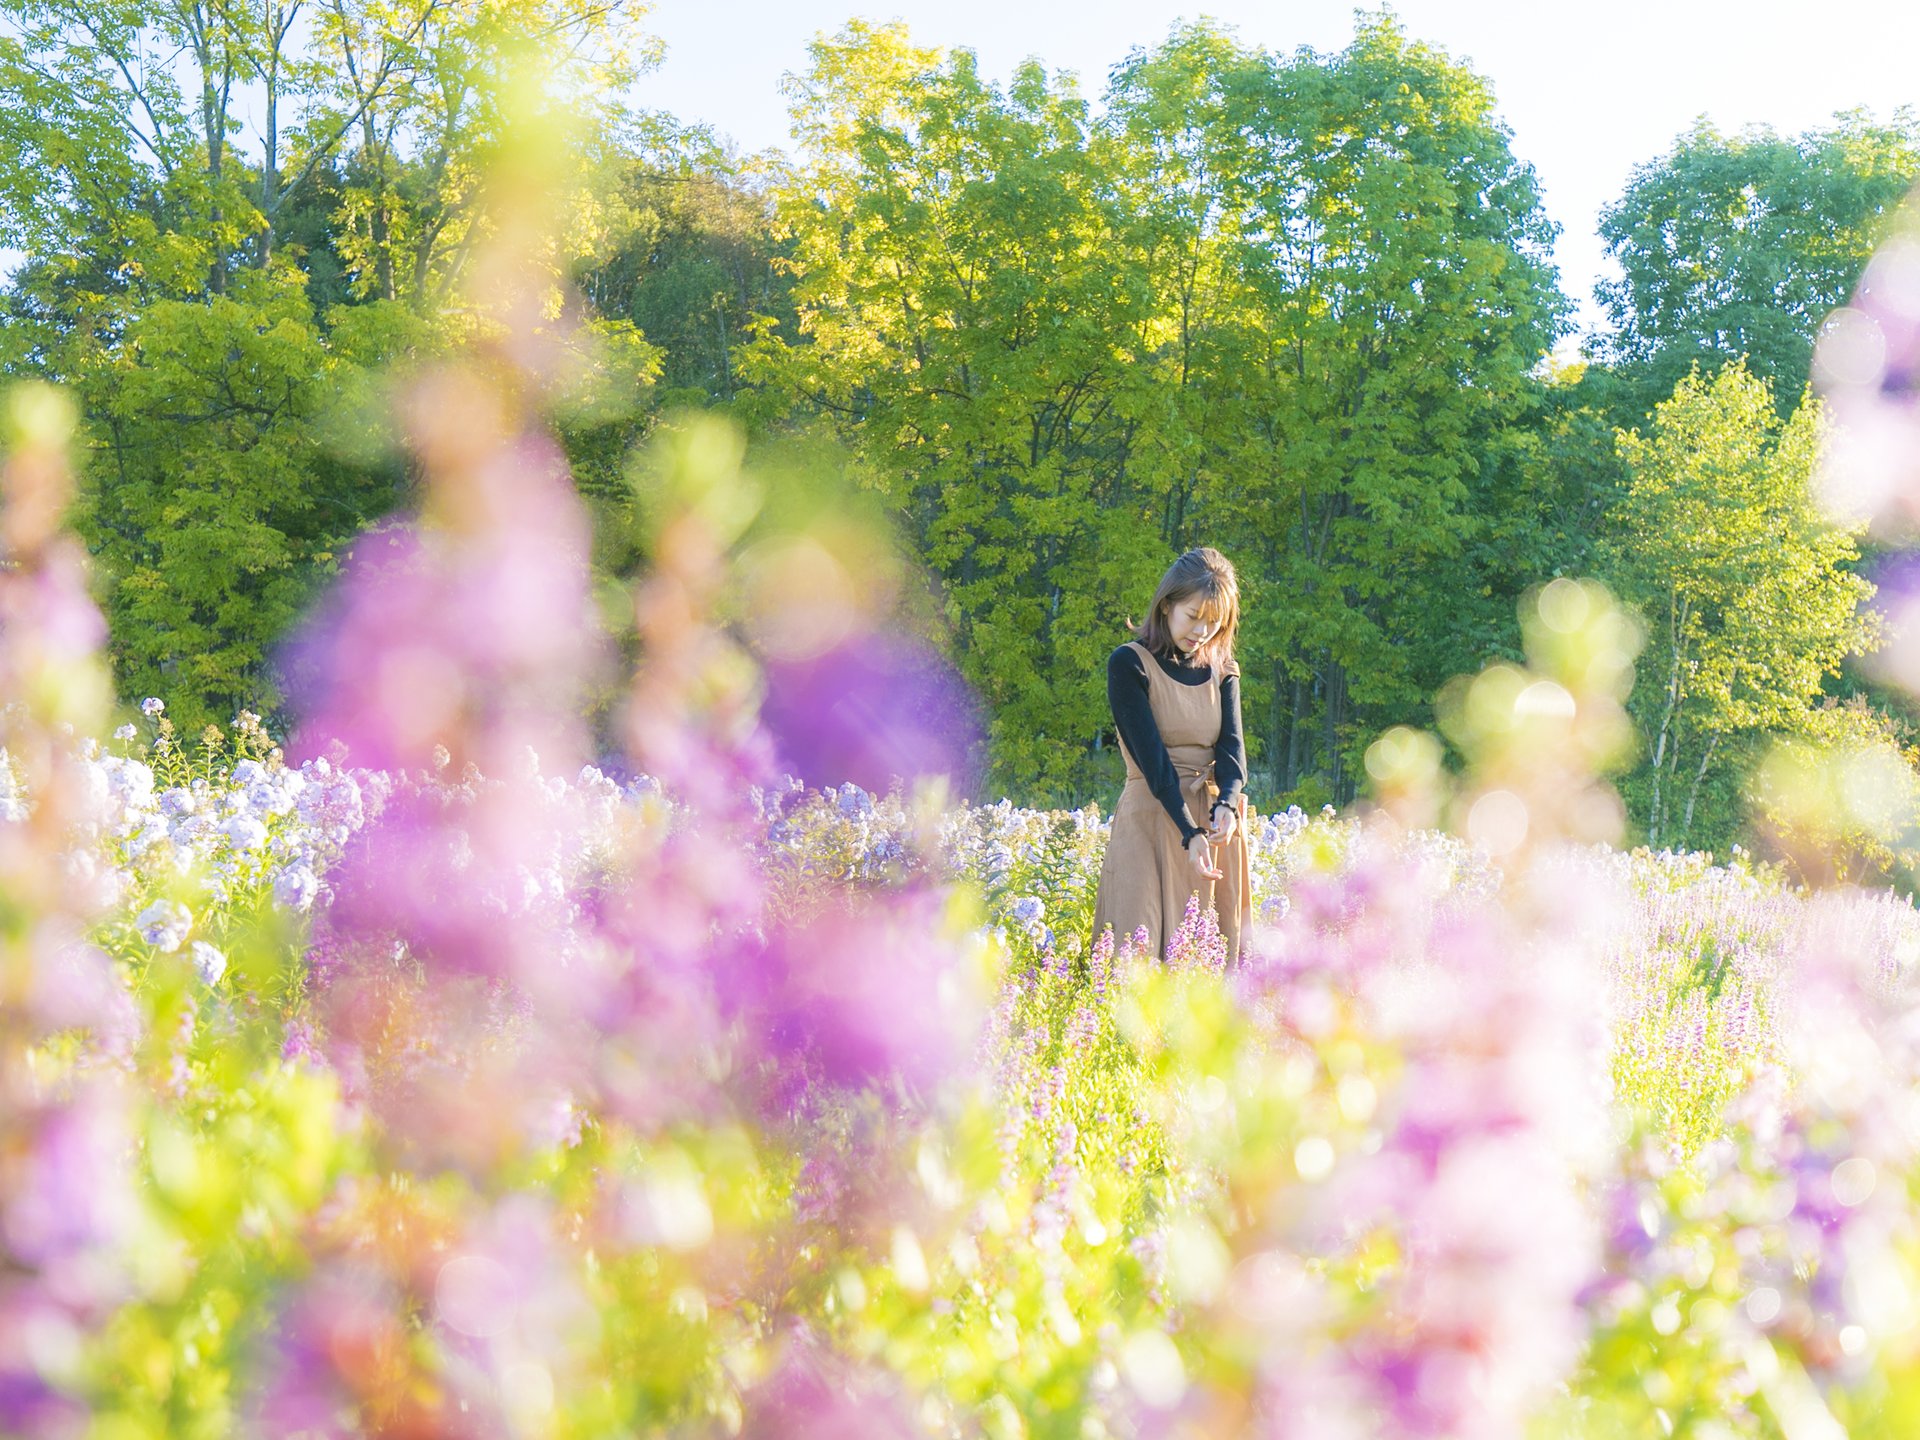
x=876, y=709
x=867, y=990
x=1866, y=365
x=68, y=1208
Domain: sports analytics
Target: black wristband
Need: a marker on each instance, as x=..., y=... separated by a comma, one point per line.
x=1186, y=840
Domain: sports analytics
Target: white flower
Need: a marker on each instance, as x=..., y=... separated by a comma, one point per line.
x=147, y=836
x=130, y=782
x=152, y=706
x=295, y=887
x=1029, y=910
x=268, y=798
x=164, y=924
x=208, y=962
x=98, y=787
x=243, y=832
x=125, y=732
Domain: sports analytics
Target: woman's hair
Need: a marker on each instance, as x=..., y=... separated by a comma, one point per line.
x=1204, y=575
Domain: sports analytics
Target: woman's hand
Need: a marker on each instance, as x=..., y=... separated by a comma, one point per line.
x=1226, y=823
x=1200, y=856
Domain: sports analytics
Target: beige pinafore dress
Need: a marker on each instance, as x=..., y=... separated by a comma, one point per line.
x=1146, y=878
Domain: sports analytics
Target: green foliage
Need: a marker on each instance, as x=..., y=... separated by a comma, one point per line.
x=697, y=267
x=1746, y=588
x=225, y=298
x=1736, y=247
x=968, y=319
x=1291, y=305
x=1839, y=798
x=214, y=503
x=1394, y=247
x=1240, y=308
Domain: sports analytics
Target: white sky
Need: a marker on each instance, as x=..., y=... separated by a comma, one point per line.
x=1588, y=90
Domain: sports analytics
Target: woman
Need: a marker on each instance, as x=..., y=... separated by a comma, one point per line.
x=1179, y=828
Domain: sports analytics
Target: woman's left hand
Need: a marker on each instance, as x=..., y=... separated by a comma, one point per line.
x=1226, y=821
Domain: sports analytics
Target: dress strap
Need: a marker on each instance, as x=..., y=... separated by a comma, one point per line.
x=1149, y=666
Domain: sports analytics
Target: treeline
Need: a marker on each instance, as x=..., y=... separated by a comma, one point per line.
x=1297, y=306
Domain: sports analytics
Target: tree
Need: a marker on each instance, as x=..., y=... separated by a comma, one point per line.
x=1736, y=247
x=969, y=317
x=215, y=505
x=698, y=265
x=1537, y=507
x=1282, y=305
x=1745, y=586
x=422, y=89
x=1392, y=256
x=216, y=293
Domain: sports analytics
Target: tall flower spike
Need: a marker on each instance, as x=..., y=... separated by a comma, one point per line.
x=67, y=1202
x=1867, y=367
x=457, y=651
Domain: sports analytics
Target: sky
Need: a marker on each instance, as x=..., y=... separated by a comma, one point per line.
x=1589, y=91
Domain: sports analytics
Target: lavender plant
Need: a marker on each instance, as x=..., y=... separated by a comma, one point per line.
x=431, y=1072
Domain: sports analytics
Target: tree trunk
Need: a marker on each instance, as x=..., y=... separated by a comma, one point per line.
x=1276, y=727
x=726, y=356
x=1331, y=715
x=379, y=220
x=213, y=119
x=1676, y=620
x=1296, y=735
x=1693, y=794
x=380, y=227
x=270, y=161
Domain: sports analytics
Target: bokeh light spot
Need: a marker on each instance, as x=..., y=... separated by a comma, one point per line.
x=1498, y=822
x=1853, y=1181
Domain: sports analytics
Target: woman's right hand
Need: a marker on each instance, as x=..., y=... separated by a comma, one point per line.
x=1200, y=856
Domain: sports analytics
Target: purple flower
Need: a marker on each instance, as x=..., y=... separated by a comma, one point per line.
x=1498, y=1041
x=814, y=1393
x=295, y=886
x=872, y=988
x=298, y=1042
x=446, y=876
x=208, y=963
x=1867, y=367
x=339, y=1342
x=876, y=709
x=478, y=639
x=164, y=925
x=66, y=1201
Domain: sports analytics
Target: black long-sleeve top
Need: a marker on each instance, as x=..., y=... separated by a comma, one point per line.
x=1133, y=718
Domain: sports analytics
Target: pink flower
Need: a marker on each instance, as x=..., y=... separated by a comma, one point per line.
x=480, y=639
x=814, y=1394
x=870, y=990
x=876, y=709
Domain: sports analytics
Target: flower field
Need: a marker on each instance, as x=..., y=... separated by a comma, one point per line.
x=915, y=1157
x=511, y=1049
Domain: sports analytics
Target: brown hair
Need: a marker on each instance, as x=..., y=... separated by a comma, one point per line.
x=1208, y=575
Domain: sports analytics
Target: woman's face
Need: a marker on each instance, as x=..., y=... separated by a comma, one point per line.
x=1192, y=622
